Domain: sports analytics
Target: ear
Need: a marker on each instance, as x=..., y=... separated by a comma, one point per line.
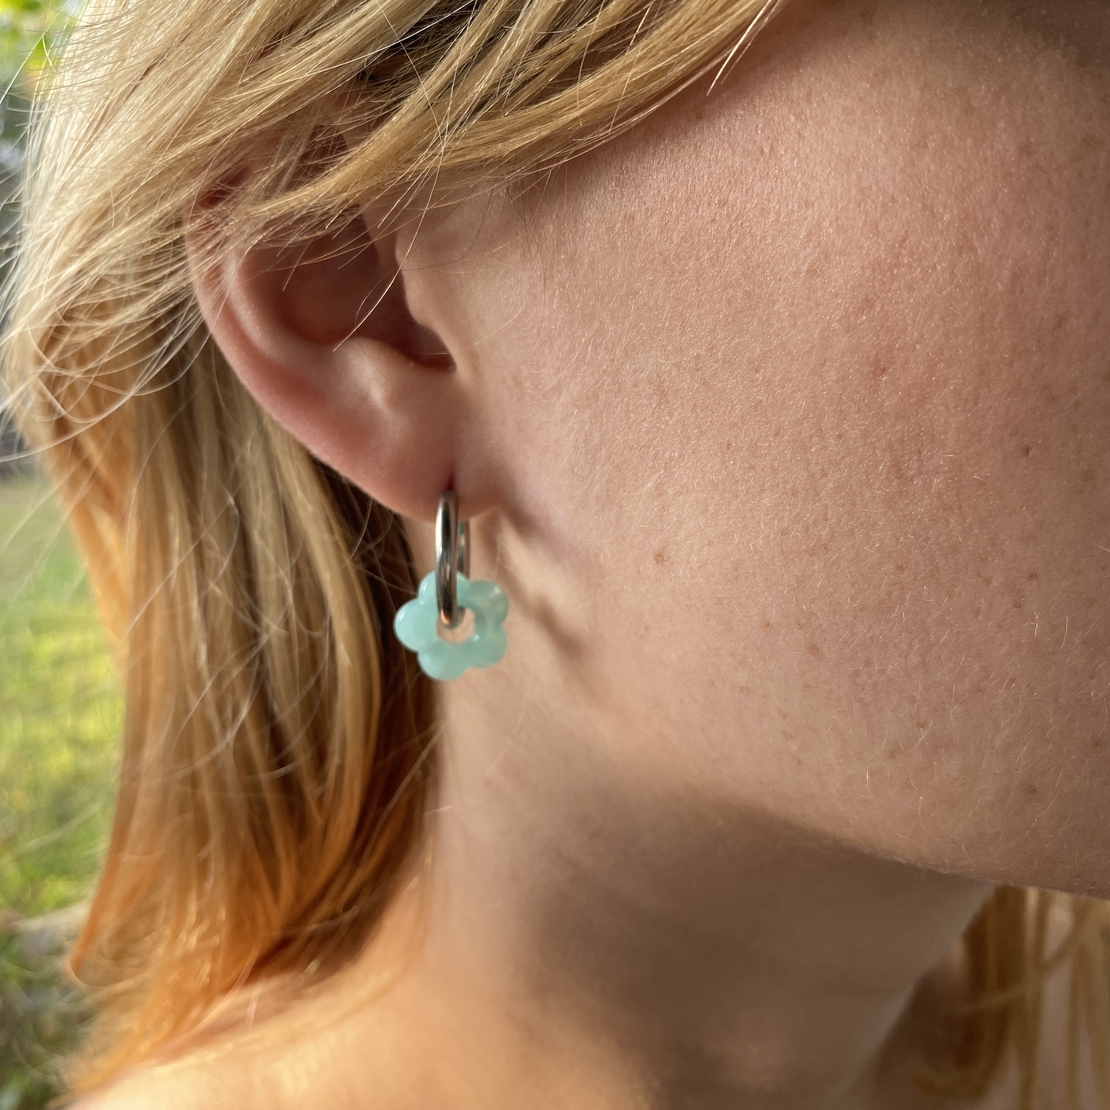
x=324, y=337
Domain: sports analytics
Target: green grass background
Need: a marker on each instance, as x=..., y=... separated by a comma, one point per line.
x=60, y=710
x=61, y=718
x=60, y=707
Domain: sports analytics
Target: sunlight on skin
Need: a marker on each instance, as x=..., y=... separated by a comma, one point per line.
x=782, y=419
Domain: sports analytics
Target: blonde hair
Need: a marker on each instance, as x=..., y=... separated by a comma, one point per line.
x=278, y=748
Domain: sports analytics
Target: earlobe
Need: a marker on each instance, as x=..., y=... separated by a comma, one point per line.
x=322, y=335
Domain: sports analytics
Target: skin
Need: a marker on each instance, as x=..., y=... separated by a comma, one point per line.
x=782, y=422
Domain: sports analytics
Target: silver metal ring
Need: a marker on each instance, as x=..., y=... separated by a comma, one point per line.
x=452, y=556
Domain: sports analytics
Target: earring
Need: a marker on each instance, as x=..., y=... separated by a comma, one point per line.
x=445, y=596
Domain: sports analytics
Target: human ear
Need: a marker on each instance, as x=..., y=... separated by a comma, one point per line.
x=323, y=335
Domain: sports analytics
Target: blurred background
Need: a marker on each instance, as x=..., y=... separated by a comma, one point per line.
x=61, y=713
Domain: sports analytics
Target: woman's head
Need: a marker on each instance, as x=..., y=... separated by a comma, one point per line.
x=776, y=387
x=789, y=406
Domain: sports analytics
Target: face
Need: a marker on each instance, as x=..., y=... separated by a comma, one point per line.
x=799, y=396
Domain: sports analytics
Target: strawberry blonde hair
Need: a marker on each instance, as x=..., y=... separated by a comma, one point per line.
x=278, y=753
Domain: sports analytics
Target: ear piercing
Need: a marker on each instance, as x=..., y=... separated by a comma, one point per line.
x=444, y=598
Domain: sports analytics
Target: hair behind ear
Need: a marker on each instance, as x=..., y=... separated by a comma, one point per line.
x=275, y=762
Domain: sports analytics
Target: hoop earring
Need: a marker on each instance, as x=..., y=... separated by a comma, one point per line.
x=445, y=596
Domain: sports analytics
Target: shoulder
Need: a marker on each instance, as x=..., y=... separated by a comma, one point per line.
x=203, y=1077
x=218, y=1066
x=291, y=1068
x=169, y=1087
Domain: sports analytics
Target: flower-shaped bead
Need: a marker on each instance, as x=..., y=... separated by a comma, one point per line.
x=417, y=627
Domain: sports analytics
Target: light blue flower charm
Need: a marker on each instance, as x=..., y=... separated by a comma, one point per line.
x=416, y=626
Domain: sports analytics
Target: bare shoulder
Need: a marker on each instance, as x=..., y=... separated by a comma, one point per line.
x=218, y=1069
x=178, y=1086
x=289, y=1068
x=212, y=1077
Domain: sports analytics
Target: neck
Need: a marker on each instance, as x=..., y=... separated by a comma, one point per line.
x=594, y=937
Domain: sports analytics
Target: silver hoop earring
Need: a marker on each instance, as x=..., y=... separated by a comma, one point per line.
x=452, y=558
x=445, y=596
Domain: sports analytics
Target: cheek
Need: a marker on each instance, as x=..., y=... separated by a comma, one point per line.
x=830, y=440
x=944, y=585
